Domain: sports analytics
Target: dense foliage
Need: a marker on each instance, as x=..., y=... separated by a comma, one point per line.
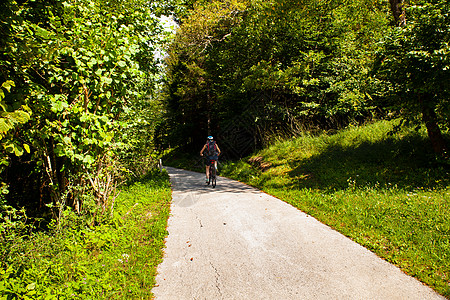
x=116, y=259
x=287, y=64
x=249, y=69
x=78, y=83
x=415, y=60
x=78, y=78
x=80, y=100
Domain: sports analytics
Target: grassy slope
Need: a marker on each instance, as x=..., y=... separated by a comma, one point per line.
x=378, y=189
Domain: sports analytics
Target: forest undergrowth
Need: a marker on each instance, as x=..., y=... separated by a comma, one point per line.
x=89, y=257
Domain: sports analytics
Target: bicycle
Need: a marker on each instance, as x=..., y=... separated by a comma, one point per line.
x=212, y=173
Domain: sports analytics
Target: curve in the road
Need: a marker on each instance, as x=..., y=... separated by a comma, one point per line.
x=235, y=242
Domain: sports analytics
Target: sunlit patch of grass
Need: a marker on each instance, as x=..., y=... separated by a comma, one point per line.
x=382, y=190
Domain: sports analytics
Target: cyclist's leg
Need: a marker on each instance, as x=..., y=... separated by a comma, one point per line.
x=207, y=168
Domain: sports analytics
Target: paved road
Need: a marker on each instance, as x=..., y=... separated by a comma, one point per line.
x=234, y=242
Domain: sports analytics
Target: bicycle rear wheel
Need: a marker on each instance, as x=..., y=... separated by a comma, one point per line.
x=213, y=176
x=209, y=176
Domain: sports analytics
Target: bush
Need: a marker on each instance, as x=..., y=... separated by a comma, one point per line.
x=114, y=257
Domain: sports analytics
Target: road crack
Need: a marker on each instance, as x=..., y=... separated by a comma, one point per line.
x=217, y=277
x=199, y=221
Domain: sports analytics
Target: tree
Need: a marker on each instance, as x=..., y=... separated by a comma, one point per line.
x=301, y=63
x=79, y=67
x=189, y=91
x=415, y=61
x=398, y=12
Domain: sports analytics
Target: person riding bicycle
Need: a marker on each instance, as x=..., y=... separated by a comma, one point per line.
x=212, y=153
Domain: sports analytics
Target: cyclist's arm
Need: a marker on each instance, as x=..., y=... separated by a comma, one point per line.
x=218, y=150
x=203, y=149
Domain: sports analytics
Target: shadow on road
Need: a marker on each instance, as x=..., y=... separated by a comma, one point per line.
x=188, y=181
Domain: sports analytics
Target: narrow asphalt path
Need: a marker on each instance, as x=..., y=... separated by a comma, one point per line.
x=234, y=242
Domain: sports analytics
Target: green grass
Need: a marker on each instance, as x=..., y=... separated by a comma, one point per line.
x=113, y=259
x=382, y=190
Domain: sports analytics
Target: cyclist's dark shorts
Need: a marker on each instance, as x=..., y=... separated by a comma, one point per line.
x=209, y=159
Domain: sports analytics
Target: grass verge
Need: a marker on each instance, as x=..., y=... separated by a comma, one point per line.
x=382, y=190
x=115, y=259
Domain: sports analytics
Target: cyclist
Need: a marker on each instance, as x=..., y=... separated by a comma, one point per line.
x=212, y=153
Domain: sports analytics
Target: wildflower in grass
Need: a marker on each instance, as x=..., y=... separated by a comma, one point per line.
x=125, y=256
x=120, y=260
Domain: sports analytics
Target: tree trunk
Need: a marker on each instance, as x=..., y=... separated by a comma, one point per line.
x=425, y=100
x=398, y=12
x=434, y=132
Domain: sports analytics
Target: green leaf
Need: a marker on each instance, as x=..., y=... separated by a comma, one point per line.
x=92, y=62
x=84, y=118
x=99, y=72
x=9, y=148
x=88, y=159
x=106, y=80
x=26, y=147
x=3, y=105
x=19, y=116
x=13, y=148
x=5, y=126
x=59, y=106
x=18, y=151
x=109, y=137
x=8, y=84
x=67, y=140
x=31, y=286
x=49, y=297
x=41, y=32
